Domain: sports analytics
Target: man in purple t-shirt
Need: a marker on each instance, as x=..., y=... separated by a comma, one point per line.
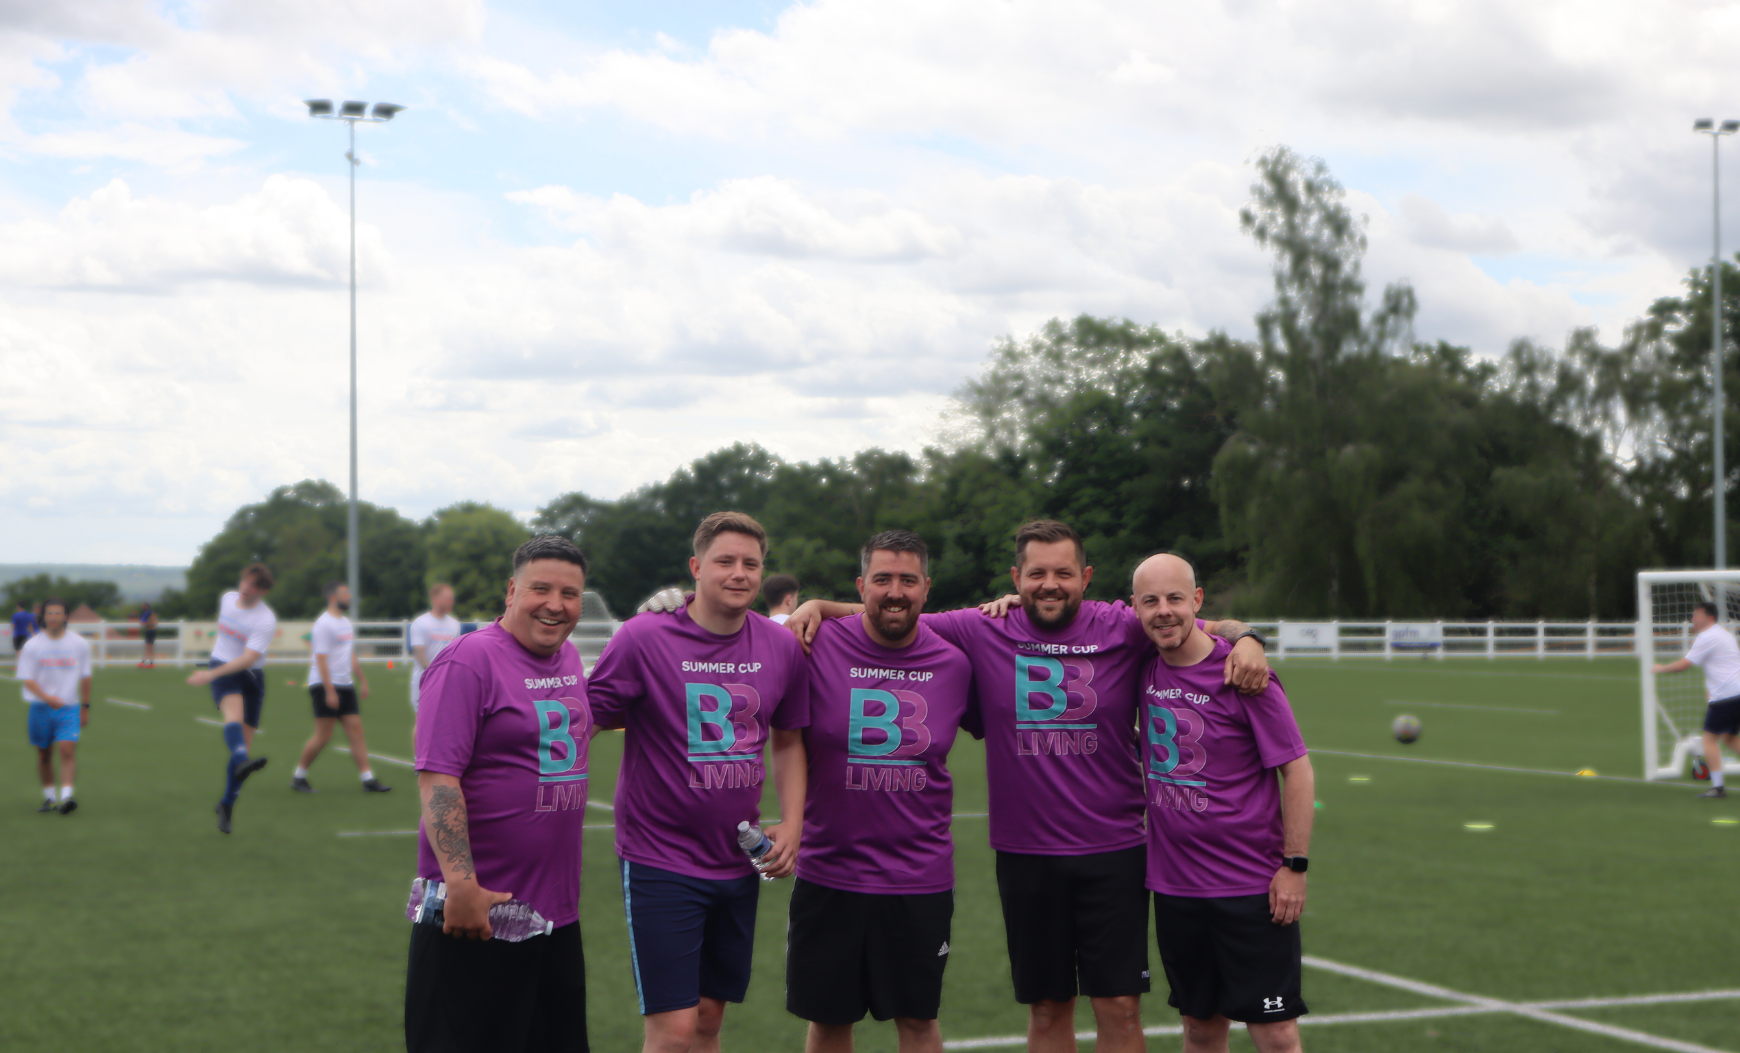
x=1056, y=680
x=502, y=733
x=1226, y=846
x=696, y=692
x=874, y=898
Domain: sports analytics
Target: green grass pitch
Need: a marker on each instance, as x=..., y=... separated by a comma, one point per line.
x=134, y=925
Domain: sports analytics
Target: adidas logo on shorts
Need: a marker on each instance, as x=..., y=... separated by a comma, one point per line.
x=945, y=949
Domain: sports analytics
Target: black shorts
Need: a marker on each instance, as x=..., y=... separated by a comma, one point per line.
x=1723, y=717
x=1227, y=957
x=150, y=635
x=1070, y=916
x=467, y=996
x=847, y=953
x=346, y=701
x=250, y=684
x=18, y=643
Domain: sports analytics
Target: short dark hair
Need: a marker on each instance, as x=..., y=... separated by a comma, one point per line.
x=332, y=587
x=728, y=523
x=23, y=606
x=260, y=574
x=549, y=546
x=775, y=589
x=1047, y=531
x=895, y=541
x=55, y=601
x=1708, y=608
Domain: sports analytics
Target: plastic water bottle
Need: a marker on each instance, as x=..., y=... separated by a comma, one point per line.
x=755, y=844
x=514, y=921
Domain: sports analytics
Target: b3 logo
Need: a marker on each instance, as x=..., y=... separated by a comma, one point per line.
x=1053, y=689
x=886, y=724
x=722, y=719
x=564, y=724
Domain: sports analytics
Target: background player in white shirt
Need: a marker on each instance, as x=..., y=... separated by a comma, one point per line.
x=430, y=632
x=334, y=679
x=54, y=664
x=781, y=594
x=237, y=677
x=1719, y=656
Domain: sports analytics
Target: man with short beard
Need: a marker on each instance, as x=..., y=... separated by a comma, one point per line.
x=874, y=898
x=1056, y=681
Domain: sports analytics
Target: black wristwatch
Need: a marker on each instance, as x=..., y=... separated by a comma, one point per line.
x=1296, y=864
x=1261, y=639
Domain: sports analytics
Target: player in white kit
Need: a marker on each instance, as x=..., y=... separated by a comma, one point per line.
x=430, y=632
x=1719, y=656
x=237, y=676
x=54, y=665
x=335, y=678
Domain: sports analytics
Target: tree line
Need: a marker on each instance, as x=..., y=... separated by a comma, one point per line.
x=1335, y=466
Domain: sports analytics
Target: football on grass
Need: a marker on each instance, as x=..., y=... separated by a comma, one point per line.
x=1700, y=769
x=1405, y=729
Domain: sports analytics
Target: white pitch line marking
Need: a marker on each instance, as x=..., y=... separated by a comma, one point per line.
x=1461, y=705
x=1475, y=1005
x=124, y=702
x=389, y=758
x=1494, y=767
x=219, y=724
x=601, y=804
x=1476, y=672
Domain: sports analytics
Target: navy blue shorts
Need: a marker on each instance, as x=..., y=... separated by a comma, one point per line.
x=250, y=684
x=689, y=938
x=1723, y=717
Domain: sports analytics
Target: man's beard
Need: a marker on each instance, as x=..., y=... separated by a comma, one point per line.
x=894, y=625
x=1071, y=605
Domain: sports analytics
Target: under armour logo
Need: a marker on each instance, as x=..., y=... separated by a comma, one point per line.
x=945, y=949
x=1273, y=1005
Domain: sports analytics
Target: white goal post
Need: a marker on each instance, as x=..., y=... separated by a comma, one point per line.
x=1673, y=704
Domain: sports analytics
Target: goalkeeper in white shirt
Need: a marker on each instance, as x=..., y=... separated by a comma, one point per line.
x=1716, y=653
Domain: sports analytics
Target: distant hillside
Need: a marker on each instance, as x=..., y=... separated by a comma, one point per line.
x=138, y=581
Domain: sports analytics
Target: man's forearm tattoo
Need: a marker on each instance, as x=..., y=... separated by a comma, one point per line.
x=450, y=829
x=1227, y=628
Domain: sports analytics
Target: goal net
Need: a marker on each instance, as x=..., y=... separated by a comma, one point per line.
x=1673, y=703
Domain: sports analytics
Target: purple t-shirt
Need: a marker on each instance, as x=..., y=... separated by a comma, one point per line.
x=1059, y=720
x=513, y=727
x=1209, y=753
x=882, y=721
x=696, y=708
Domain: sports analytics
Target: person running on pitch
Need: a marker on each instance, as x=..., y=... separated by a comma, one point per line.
x=1716, y=653
x=1227, y=845
x=237, y=676
x=502, y=753
x=697, y=693
x=874, y=896
x=53, y=665
x=335, y=678
x=432, y=630
x=1056, y=680
x=148, y=635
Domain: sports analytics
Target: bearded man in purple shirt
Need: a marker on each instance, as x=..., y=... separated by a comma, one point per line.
x=502, y=734
x=1056, y=682
x=874, y=897
x=699, y=693
x=1226, y=846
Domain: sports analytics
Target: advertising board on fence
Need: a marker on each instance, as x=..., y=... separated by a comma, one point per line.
x=1300, y=636
x=1417, y=636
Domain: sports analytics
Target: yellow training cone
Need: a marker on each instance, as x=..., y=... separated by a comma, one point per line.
x=1587, y=771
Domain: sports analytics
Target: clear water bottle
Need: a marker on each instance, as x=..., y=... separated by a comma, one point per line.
x=755, y=844
x=514, y=921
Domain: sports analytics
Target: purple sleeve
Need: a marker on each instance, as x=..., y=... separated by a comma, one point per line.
x=954, y=626
x=793, y=710
x=972, y=718
x=615, y=682
x=1273, y=726
x=450, y=715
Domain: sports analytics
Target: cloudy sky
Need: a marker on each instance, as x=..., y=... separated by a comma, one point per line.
x=605, y=238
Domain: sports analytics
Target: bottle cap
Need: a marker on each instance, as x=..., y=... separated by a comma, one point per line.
x=744, y=825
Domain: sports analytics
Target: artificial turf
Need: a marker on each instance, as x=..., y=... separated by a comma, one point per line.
x=135, y=925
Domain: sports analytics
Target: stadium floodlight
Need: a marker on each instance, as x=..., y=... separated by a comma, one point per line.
x=1719, y=491
x=353, y=113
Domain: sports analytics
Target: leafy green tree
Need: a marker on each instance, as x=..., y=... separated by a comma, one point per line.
x=104, y=597
x=471, y=547
x=299, y=531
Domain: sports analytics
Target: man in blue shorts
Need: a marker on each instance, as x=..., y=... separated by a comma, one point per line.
x=53, y=664
x=238, y=677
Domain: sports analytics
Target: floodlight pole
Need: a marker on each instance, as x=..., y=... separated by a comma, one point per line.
x=351, y=114
x=1720, y=489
